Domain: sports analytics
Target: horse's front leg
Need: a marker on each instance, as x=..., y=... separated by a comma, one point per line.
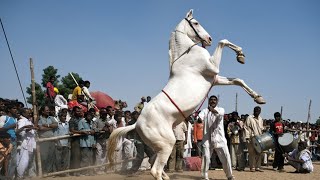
x=215, y=59
x=220, y=80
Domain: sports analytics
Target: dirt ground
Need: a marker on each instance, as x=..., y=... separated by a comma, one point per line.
x=213, y=175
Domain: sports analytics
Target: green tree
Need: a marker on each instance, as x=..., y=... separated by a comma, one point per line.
x=318, y=121
x=68, y=83
x=40, y=95
x=47, y=73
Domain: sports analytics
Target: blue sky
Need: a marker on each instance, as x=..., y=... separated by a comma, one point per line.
x=122, y=47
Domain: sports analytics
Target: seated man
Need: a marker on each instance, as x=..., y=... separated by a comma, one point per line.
x=300, y=158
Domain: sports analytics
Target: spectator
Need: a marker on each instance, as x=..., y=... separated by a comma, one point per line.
x=26, y=154
x=50, y=94
x=5, y=150
x=63, y=145
x=9, y=126
x=140, y=105
x=300, y=158
x=60, y=102
x=103, y=131
x=176, y=156
x=87, y=142
x=75, y=141
x=47, y=125
x=233, y=133
x=141, y=147
x=77, y=94
x=198, y=135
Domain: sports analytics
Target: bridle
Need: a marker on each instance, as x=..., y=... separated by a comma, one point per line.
x=195, y=31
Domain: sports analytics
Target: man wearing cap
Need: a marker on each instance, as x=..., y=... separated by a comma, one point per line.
x=140, y=105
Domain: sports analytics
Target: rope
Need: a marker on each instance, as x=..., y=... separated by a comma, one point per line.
x=14, y=65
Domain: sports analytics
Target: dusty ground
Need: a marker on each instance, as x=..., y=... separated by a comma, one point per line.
x=213, y=175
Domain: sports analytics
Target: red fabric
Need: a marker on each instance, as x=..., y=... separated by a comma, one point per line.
x=50, y=88
x=193, y=163
x=102, y=99
x=74, y=103
x=278, y=128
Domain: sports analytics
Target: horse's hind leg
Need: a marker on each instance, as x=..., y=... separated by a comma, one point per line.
x=164, y=150
x=220, y=80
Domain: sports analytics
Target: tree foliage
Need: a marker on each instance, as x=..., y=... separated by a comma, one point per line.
x=47, y=73
x=318, y=121
x=40, y=95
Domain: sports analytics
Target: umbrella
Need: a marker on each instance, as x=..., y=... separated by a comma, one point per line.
x=102, y=99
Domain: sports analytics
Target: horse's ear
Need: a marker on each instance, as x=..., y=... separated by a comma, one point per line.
x=190, y=14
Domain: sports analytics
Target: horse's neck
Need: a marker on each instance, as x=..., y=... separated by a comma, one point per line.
x=179, y=44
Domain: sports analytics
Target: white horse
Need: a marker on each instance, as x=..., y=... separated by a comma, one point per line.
x=193, y=73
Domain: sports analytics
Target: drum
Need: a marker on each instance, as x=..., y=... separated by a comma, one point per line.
x=263, y=142
x=288, y=142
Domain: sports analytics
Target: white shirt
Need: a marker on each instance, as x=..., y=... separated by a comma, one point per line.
x=179, y=131
x=213, y=130
x=60, y=101
x=27, y=137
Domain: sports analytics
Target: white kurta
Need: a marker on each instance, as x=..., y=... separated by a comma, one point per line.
x=27, y=147
x=214, y=138
x=213, y=130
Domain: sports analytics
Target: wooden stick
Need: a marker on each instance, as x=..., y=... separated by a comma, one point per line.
x=83, y=168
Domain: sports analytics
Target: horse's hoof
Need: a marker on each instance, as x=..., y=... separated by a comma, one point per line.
x=259, y=100
x=240, y=58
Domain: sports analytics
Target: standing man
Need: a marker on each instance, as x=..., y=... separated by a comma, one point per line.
x=276, y=129
x=50, y=94
x=214, y=138
x=254, y=127
x=176, y=156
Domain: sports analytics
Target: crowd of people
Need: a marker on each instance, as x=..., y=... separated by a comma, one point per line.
x=218, y=138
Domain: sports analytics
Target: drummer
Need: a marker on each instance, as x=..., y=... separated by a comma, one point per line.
x=276, y=129
x=254, y=127
x=300, y=158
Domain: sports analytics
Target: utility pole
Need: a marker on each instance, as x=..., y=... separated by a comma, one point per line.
x=236, y=109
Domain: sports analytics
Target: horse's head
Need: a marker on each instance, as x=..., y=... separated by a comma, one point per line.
x=195, y=31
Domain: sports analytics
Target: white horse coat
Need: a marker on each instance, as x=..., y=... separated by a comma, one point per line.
x=193, y=73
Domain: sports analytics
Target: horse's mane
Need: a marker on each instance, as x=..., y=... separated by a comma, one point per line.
x=172, y=50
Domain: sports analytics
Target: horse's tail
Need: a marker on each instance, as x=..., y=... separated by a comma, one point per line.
x=113, y=140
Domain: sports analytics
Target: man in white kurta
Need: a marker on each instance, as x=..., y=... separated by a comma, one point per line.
x=26, y=153
x=214, y=138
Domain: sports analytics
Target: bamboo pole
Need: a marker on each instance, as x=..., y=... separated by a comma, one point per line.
x=35, y=117
x=84, y=168
x=33, y=93
x=236, y=102
x=309, y=116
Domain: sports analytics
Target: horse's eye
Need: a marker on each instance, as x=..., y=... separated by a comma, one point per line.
x=196, y=23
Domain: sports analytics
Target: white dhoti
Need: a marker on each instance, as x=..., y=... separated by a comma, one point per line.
x=224, y=156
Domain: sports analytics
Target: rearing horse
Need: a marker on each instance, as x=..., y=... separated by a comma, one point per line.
x=192, y=74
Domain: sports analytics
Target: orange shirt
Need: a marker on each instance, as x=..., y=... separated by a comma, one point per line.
x=198, y=131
